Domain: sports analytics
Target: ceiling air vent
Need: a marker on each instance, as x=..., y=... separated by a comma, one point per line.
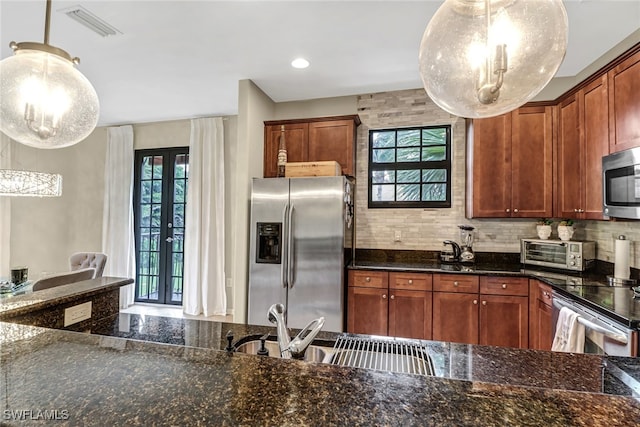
x=91, y=21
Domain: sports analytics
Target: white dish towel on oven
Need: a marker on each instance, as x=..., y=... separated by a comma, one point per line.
x=569, y=335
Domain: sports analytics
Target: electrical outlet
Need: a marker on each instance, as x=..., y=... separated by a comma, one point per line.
x=77, y=313
x=397, y=236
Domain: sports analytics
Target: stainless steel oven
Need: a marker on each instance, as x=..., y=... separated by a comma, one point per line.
x=602, y=334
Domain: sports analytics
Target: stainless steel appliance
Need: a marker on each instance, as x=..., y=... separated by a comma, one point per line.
x=602, y=334
x=301, y=239
x=565, y=255
x=621, y=184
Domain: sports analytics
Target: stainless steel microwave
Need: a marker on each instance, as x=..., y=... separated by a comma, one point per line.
x=565, y=255
x=621, y=184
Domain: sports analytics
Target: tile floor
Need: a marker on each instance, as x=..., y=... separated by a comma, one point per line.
x=170, y=311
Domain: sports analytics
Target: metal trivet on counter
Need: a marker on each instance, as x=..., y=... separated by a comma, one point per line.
x=384, y=355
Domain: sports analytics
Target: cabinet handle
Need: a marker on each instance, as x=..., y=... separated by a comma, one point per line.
x=475, y=302
x=484, y=303
x=576, y=210
x=384, y=296
x=455, y=284
x=504, y=286
x=516, y=211
x=367, y=279
x=392, y=297
x=507, y=210
x=410, y=282
x=546, y=294
x=581, y=210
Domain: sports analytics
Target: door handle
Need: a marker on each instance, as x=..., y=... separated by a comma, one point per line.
x=290, y=251
x=285, y=248
x=169, y=239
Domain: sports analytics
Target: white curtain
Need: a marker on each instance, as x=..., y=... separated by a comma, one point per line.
x=204, y=279
x=117, y=222
x=5, y=211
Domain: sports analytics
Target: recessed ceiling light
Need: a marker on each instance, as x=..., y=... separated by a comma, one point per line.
x=299, y=63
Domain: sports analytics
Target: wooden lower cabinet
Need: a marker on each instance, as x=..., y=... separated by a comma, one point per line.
x=504, y=321
x=540, y=311
x=455, y=317
x=410, y=314
x=393, y=304
x=368, y=310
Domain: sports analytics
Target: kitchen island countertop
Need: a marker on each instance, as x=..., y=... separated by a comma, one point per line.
x=97, y=380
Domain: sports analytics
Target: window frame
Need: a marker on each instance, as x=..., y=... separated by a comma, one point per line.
x=445, y=164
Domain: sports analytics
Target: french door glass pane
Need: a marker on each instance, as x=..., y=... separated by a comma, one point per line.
x=162, y=180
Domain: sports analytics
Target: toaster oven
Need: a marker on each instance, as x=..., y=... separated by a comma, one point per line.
x=565, y=255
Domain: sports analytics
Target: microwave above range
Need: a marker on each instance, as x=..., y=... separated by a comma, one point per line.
x=621, y=184
x=564, y=255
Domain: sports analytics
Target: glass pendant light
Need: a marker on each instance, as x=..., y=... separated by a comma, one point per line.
x=44, y=101
x=483, y=58
x=29, y=183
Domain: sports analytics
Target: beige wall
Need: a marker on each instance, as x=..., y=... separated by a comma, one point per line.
x=45, y=231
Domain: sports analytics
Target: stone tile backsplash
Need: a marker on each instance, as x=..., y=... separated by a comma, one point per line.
x=425, y=229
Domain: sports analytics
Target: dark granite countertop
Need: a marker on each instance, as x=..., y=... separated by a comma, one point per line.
x=30, y=301
x=102, y=380
x=589, y=287
x=501, y=365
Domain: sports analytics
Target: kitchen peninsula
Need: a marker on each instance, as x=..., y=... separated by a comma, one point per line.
x=109, y=380
x=47, y=307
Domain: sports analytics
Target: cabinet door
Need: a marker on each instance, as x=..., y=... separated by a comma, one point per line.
x=491, y=174
x=295, y=135
x=595, y=134
x=410, y=314
x=569, y=190
x=333, y=140
x=543, y=325
x=368, y=311
x=624, y=107
x=455, y=317
x=532, y=163
x=504, y=321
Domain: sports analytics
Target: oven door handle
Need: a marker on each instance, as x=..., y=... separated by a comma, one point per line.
x=609, y=331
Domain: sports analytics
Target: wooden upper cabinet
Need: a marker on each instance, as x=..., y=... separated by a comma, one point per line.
x=568, y=161
x=512, y=167
x=583, y=138
x=334, y=140
x=595, y=137
x=490, y=180
x=624, y=104
x=532, y=162
x=312, y=140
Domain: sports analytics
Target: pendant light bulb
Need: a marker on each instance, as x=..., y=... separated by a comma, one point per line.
x=483, y=58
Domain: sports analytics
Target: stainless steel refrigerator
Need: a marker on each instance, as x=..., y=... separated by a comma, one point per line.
x=301, y=238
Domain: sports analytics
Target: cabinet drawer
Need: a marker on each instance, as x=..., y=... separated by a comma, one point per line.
x=493, y=285
x=456, y=283
x=411, y=281
x=544, y=294
x=369, y=279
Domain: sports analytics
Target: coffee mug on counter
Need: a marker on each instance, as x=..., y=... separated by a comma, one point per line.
x=19, y=275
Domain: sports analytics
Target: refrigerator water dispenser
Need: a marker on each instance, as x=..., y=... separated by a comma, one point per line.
x=269, y=238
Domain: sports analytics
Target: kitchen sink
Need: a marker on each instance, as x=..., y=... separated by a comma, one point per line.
x=314, y=353
x=383, y=354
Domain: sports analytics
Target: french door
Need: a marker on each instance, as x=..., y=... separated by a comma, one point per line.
x=160, y=199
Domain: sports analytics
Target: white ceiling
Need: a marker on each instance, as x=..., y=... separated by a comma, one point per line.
x=183, y=59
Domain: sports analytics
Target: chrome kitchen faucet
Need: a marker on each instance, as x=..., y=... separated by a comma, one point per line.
x=293, y=348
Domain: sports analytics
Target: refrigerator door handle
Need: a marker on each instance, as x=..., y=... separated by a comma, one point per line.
x=290, y=251
x=285, y=230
